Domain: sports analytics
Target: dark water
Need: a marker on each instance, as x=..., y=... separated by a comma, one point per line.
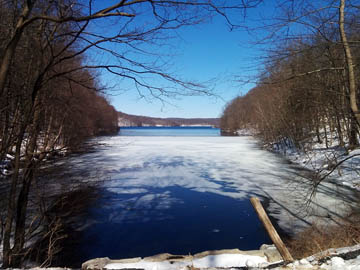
x=198, y=222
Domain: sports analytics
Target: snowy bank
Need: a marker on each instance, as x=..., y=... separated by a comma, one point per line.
x=205, y=260
x=332, y=259
x=223, y=260
x=347, y=258
x=331, y=161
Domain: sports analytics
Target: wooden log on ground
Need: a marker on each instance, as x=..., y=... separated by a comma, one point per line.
x=271, y=230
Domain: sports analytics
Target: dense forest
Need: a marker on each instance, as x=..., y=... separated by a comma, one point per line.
x=308, y=90
x=139, y=121
x=49, y=103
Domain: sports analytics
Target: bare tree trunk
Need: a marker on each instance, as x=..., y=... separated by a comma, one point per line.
x=11, y=255
x=317, y=129
x=11, y=46
x=349, y=62
x=326, y=136
x=339, y=130
x=12, y=203
x=28, y=175
x=353, y=141
x=19, y=240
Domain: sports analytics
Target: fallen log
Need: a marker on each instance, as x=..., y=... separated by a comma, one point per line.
x=284, y=252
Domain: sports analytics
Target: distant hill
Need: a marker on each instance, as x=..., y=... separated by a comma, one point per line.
x=129, y=120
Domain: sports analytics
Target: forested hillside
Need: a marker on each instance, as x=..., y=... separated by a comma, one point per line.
x=309, y=87
x=138, y=121
x=49, y=102
x=49, y=93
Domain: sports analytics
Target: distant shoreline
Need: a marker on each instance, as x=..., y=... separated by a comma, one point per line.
x=190, y=126
x=128, y=120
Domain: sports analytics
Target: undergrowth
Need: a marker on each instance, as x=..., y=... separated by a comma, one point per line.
x=318, y=238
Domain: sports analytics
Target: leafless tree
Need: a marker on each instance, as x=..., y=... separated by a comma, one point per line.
x=312, y=50
x=50, y=54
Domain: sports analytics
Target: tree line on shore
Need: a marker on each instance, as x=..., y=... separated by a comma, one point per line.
x=139, y=121
x=308, y=90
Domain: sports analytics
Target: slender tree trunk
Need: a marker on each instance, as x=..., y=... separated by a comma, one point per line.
x=11, y=46
x=353, y=141
x=12, y=203
x=28, y=175
x=22, y=204
x=349, y=62
x=5, y=135
x=10, y=258
x=339, y=131
x=326, y=136
x=318, y=133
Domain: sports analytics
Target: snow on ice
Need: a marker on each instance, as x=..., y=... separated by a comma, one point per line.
x=133, y=165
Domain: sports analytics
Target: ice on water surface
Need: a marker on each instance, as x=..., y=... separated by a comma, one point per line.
x=235, y=167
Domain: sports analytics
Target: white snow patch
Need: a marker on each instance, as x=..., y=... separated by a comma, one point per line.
x=321, y=159
x=223, y=260
x=228, y=260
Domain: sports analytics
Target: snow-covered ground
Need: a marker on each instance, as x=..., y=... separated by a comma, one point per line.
x=323, y=161
x=335, y=164
x=6, y=166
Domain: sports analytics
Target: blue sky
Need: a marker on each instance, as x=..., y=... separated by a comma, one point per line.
x=201, y=53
